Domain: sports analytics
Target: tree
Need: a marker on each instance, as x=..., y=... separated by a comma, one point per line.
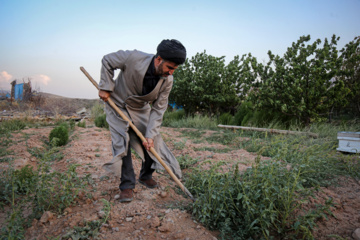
x=351, y=72
x=302, y=83
x=205, y=84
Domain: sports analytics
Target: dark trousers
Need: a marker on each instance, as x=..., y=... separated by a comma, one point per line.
x=128, y=174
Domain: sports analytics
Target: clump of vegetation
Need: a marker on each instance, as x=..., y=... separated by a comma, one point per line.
x=172, y=116
x=82, y=124
x=100, y=121
x=97, y=110
x=40, y=189
x=186, y=161
x=59, y=136
x=226, y=119
x=196, y=121
x=12, y=125
x=257, y=204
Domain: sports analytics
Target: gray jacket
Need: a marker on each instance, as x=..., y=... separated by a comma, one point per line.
x=126, y=93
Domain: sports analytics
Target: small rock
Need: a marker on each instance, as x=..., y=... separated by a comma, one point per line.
x=155, y=222
x=166, y=227
x=47, y=216
x=67, y=210
x=128, y=219
x=116, y=229
x=170, y=220
x=148, y=217
x=356, y=234
x=105, y=225
x=91, y=218
x=117, y=196
x=101, y=214
x=179, y=235
x=163, y=194
x=168, y=211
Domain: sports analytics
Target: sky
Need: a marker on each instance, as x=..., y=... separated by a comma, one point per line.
x=47, y=41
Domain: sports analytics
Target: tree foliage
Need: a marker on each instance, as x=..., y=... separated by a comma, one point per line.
x=206, y=84
x=303, y=83
x=351, y=72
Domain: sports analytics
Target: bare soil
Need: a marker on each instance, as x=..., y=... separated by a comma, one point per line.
x=157, y=213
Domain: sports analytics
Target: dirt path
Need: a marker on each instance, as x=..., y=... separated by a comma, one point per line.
x=155, y=213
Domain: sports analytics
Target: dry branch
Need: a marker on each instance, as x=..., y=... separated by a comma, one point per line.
x=314, y=135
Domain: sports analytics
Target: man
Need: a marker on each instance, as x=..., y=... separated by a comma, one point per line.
x=141, y=91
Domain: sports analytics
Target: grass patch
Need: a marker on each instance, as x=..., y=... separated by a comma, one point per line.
x=34, y=190
x=193, y=134
x=257, y=204
x=185, y=161
x=212, y=149
x=265, y=200
x=197, y=121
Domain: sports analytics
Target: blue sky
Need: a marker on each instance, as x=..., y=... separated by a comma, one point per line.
x=49, y=40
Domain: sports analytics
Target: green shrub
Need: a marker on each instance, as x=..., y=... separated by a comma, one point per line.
x=59, y=136
x=226, y=119
x=258, y=204
x=172, y=116
x=185, y=161
x=100, y=121
x=11, y=125
x=244, y=110
x=25, y=179
x=97, y=110
x=72, y=124
x=82, y=124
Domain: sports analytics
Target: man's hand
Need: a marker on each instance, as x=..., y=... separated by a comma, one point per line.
x=104, y=95
x=148, y=143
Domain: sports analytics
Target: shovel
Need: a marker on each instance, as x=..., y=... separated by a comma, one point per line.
x=140, y=135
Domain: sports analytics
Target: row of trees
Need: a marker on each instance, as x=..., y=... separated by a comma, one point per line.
x=306, y=84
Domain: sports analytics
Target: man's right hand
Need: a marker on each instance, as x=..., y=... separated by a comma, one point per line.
x=104, y=95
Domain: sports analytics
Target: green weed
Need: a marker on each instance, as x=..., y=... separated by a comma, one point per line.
x=257, y=204
x=82, y=124
x=100, y=121
x=185, y=161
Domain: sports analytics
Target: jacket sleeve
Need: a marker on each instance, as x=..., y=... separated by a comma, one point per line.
x=110, y=63
x=158, y=109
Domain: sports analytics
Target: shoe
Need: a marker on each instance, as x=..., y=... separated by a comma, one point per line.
x=150, y=183
x=126, y=195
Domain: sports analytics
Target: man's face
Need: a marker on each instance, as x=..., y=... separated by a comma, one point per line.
x=164, y=68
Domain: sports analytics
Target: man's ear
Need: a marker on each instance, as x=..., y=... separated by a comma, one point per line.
x=158, y=60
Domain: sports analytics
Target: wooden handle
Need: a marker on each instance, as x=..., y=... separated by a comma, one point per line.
x=141, y=136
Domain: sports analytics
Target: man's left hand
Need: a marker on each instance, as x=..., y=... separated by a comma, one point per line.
x=149, y=143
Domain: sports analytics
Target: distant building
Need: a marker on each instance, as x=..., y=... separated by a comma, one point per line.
x=20, y=91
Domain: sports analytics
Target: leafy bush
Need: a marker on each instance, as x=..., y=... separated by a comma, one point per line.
x=257, y=204
x=245, y=109
x=82, y=124
x=11, y=125
x=100, y=121
x=226, y=119
x=186, y=161
x=97, y=110
x=59, y=136
x=171, y=116
x=42, y=189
